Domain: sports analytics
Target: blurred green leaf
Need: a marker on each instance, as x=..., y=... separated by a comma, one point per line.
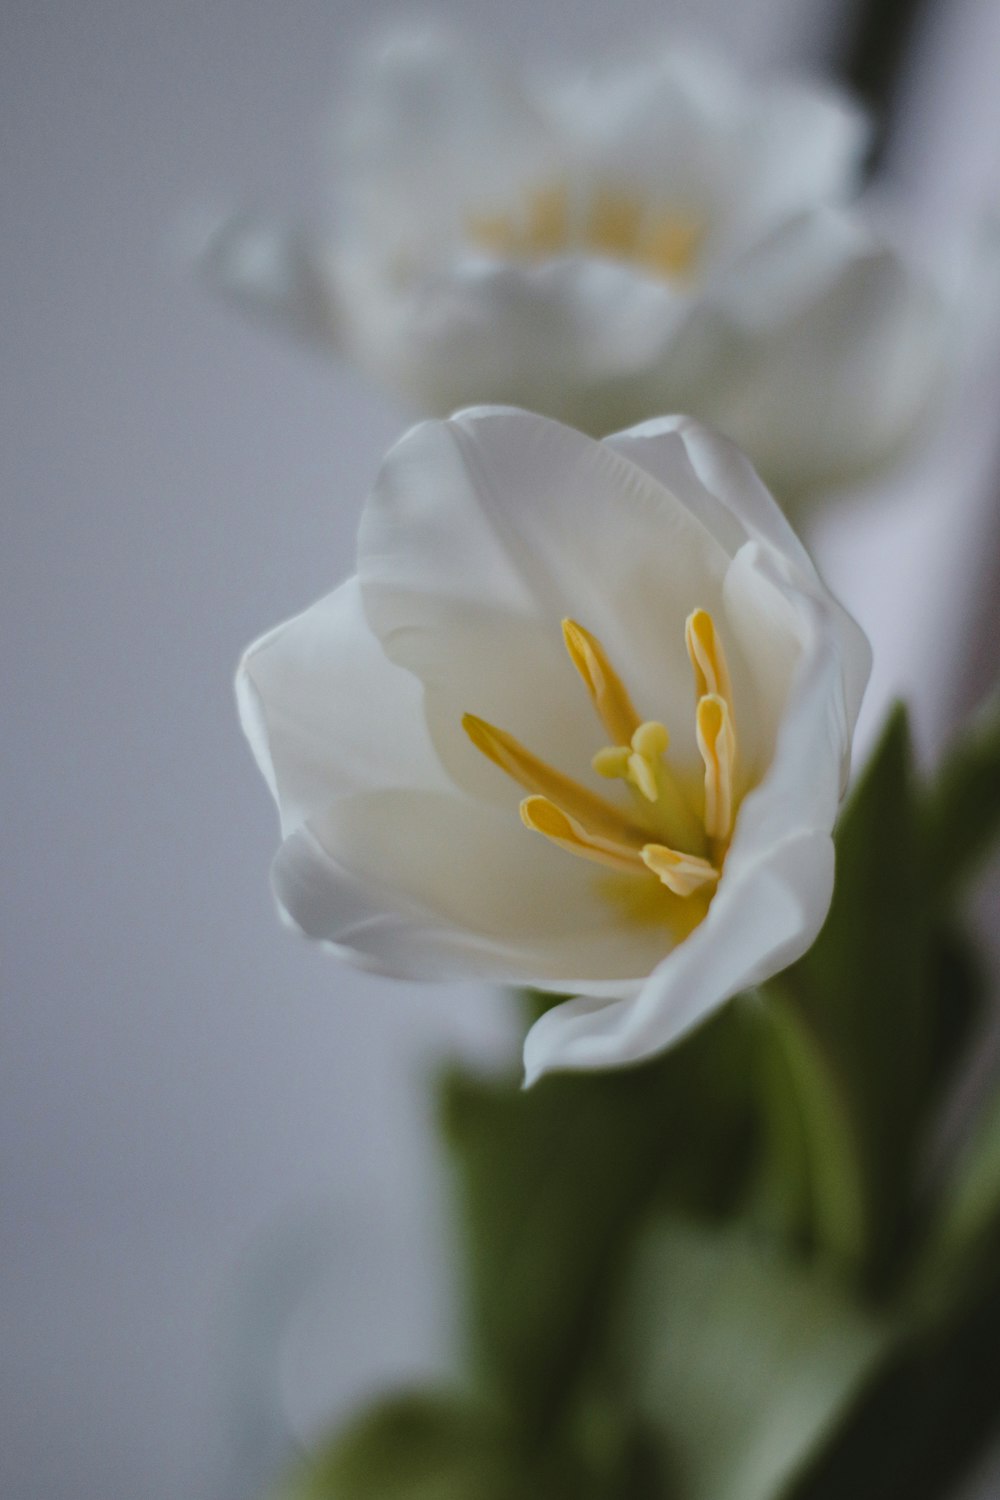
x=811, y=1187
x=965, y=1237
x=436, y=1446
x=741, y=1357
x=927, y=1418
x=554, y=1181
x=962, y=813
x=860, y=989
x=958, y=990
x=413, y=1447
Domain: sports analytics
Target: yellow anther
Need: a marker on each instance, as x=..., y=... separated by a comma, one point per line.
x=613, y=223
x=612, y=762
x=611, y=700
x=711, y=675
x=535, y=775
x=684, y=874
x=551, y=220
x=717, y=744
x=495, y=232
x=543, y=816
x=547, y=229
x=670, y=244
x=626, y=838
x=650, y=740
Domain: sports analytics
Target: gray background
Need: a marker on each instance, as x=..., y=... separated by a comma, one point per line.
x=202, y=1120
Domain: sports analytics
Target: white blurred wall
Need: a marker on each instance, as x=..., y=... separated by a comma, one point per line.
x=192, y=1104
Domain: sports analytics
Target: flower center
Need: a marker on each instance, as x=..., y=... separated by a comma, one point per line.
x=610, y=222
x=664, y=831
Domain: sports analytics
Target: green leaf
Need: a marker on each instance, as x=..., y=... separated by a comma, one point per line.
x=553, y=1182
x=962, y=815
x=440, y=1446
x=926, y=1419
x=413, y=1447
x=965, y=1237
x=860, y=990
x=811, y=1187
x=741, y=1357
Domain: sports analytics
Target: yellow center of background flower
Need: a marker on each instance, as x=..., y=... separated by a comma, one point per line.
x=661, y=831
x=611, y=222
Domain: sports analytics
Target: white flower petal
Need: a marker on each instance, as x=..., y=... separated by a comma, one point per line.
x=684, y=128
x=729, y=495
x=275, y=273
x=801, y=145
x=426, y=116
x=484, y=533
x=435, y=886
x=570, y=337
x=716, y=480
x=819, y=355
x=325, y=711
x=757, y=924
x=540, y=521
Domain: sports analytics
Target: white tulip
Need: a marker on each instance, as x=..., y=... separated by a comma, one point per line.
x=581, y=721
x=658, y=238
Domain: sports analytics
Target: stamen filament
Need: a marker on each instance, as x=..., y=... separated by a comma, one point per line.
x=535, y=775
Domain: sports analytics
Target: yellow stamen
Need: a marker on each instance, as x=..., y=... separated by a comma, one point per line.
x=642, y=774
x=613, y=224
x=621, y=225
x=493, y=232
x=612, y=762
x=644, y=768
x=651, y=740
x=670, y=244
x=711, y=674
x=717, y=743
x=627, y=840
x=684, y=874
x=547, y=228
x=611, y=699
x=535, y=775
x=543, y=816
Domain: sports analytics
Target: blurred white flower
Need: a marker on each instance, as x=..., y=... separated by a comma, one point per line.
x=657, y=238
x=582, y=721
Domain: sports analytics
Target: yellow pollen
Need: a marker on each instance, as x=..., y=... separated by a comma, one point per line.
x=611, y=222
x=660, y=833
